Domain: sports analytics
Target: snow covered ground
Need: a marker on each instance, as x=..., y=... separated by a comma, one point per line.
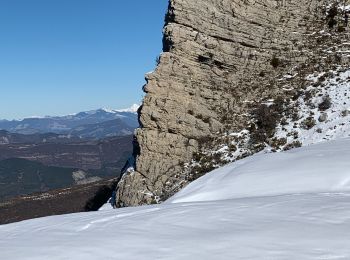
x=289, y=205
x=336, y=122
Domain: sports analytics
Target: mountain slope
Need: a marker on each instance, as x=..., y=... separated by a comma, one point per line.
x=60, y=201
x=314, y=169
x=116, y=127
x=38, y=167
x=19, y=177
x=290, y=205
x=83, y=154
x=14, y=138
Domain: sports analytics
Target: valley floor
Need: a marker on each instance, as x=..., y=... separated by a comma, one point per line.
x=290, y=205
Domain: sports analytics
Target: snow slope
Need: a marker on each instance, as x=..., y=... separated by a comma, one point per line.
x=289, y=205
x=318, y=168
x=336, y=86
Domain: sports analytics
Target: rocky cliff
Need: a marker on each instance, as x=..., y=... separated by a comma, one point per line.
x=227, y=68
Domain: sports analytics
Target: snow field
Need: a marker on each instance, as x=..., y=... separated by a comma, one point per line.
x=289, y=205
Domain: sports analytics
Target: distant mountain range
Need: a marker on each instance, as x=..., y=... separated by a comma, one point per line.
x=41, y=154
x=7, y=138
x=94, y=124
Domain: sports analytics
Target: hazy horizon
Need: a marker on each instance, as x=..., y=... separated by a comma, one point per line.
x=63, y=57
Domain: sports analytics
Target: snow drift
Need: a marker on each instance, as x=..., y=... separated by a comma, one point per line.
x=290, y=205
x=319, y=168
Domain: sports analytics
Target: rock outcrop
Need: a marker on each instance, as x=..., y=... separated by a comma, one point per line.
x=220, y=57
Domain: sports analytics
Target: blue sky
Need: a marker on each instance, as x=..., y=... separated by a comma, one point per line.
x=66, y=56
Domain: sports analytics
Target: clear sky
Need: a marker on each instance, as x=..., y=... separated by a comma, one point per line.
x=65, y=56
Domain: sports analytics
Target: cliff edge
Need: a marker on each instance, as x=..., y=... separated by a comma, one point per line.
x=225, y=65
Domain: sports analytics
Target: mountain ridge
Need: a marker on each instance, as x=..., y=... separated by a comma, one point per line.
x=132, y=109
x=125, y=122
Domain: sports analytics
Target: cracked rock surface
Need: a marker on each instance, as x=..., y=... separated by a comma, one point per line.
x=218, y=57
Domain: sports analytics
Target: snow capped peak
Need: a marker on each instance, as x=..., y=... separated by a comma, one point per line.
x=132, y=109
x=107, y=110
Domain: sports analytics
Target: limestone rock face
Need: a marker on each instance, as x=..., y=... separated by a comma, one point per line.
x=219, y=56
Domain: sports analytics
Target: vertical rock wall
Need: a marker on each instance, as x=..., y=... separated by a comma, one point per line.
x=218, y=57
